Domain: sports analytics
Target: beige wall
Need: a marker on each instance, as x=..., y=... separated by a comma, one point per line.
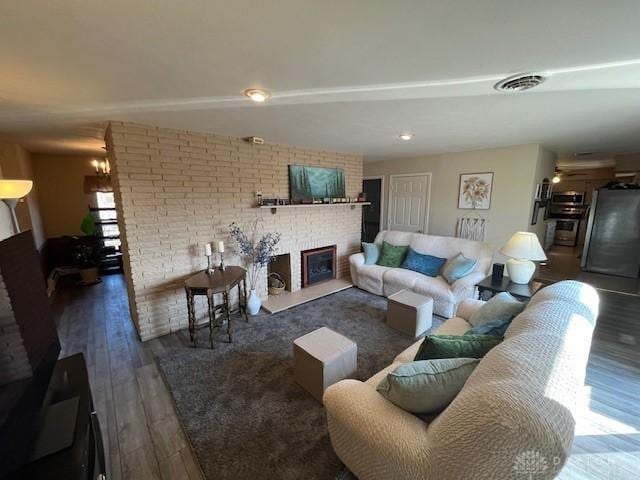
x=63, y=203
x=16, y=163
x=516, y=170
x=177, y=190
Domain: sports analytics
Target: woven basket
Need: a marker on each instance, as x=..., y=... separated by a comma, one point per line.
x=276, y=284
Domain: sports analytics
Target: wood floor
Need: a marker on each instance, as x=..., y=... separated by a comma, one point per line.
x=144, y=440
x=564, y=263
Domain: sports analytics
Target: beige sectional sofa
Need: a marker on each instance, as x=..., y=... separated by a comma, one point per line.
x=387, y=281
x=512, y=419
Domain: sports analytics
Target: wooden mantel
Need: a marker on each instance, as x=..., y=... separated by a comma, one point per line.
x=353, y=205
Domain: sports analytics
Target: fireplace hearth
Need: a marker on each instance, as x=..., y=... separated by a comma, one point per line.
x=318, y=265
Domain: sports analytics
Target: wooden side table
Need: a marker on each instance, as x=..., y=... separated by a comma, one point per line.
x=209, y=285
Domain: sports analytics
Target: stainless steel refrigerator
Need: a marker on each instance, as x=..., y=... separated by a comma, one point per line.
x=612, y=243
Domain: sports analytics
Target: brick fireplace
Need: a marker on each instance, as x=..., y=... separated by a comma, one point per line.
x=176, y=190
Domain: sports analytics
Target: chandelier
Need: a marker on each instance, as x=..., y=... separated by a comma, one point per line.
x=102, y=167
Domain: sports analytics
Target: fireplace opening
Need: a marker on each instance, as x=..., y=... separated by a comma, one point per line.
x=318, y=265
x=281, y=266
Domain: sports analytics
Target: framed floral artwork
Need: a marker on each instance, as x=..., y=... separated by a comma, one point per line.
x=475, y=191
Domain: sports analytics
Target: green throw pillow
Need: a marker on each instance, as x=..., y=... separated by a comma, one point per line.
x=392, y=255
x=427, y=386
x=456, y=346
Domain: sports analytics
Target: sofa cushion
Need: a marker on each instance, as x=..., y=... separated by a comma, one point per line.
x=392, y=255
x=433, y=287
x=394, y=237
x=371, y=253
x=377, y=378
x=444, y=299
x=458, y=267
x=502, y=306
x=370, y=278
x=396, y=279
x=425, y=264
x=426, y=386
x=456, y=346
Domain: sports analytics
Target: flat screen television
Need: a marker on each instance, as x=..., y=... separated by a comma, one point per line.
x=29, y=348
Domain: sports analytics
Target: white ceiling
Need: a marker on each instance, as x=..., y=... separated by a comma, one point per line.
x=344, y=75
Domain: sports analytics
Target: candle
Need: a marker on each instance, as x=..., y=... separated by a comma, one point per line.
x=220, y=246
x=207, y=249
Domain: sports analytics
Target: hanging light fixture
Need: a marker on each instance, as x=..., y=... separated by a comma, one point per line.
x=556, y=176
x=102, y=167
x=101, y=181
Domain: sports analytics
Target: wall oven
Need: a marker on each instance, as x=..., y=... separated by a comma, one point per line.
x=562, y=211
x=567, y=232
x=569, y=199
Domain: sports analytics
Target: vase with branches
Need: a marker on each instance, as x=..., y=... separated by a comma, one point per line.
x=258, y=250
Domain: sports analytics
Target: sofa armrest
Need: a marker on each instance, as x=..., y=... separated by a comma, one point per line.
x=468, y=307
x=373, y=437
x=469, y=281
x=357, y=259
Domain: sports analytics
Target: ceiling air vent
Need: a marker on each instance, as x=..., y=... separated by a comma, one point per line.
x=519, y=83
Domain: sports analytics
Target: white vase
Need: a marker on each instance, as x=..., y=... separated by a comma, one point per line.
x=253, y=303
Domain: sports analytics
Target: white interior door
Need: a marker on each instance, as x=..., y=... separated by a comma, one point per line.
x=409, y=202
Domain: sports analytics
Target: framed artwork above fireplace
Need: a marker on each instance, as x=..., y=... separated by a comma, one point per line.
x=307, y=183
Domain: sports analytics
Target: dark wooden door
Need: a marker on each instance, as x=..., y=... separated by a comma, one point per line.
x=371, y=213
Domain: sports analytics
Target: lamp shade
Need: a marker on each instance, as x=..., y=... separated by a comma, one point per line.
x=524, y=246
x=14, y=188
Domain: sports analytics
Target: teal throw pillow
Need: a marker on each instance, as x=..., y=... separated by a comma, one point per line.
x=392, y=255
x=425, y=264
x=456, y=346
x=502, y=306
x=497, y=328
x=427, y=386
x=371, y=253
x=458, y=267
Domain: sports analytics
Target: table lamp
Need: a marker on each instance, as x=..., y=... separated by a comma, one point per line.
x=10, y=192
x=523, y=247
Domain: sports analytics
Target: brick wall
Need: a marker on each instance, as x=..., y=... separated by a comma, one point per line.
x=176, y=190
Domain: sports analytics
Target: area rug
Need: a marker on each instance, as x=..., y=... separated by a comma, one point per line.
x=239, y=405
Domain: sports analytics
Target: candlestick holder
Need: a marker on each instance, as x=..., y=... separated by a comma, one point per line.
x=210, y=269
x=221, y=266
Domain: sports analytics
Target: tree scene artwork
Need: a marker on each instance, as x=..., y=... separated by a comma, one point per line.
x=475, y=191
x=308, y=183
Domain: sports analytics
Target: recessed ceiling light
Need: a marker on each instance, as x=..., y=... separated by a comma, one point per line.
x=257, y=95
x=406, y=136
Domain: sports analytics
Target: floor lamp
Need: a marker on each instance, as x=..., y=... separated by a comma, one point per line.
x=10, y=192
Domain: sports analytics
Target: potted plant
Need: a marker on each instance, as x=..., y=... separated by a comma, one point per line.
x=257, y=252
x=87, y=255
x=87, y=258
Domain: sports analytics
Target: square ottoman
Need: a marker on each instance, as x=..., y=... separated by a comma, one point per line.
x=322, y=358
x=409, y=312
